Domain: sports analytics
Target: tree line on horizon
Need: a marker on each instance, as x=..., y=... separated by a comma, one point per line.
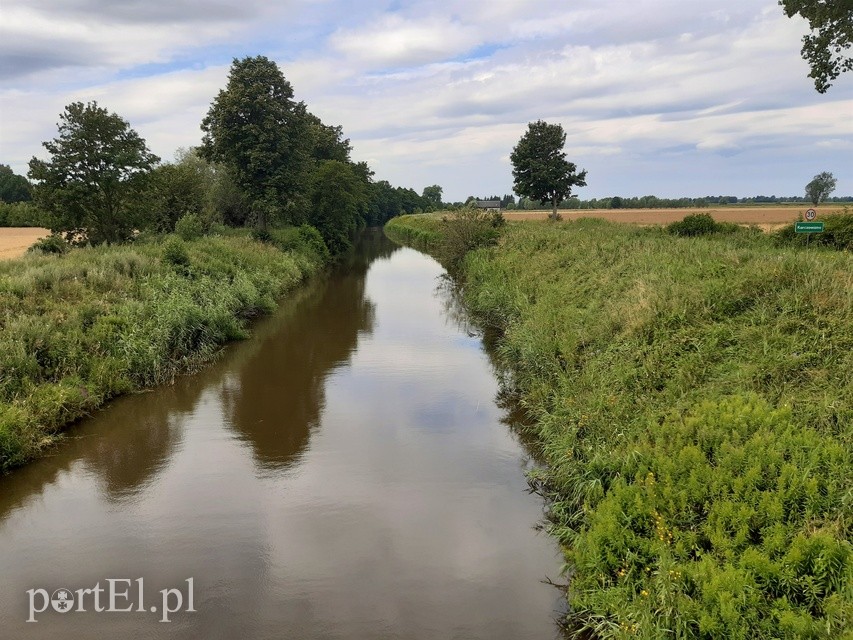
x=509, y=202
x=654, y=202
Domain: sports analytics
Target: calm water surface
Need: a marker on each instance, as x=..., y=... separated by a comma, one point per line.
x=343, y=474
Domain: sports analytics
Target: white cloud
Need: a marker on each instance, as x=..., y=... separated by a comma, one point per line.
x=395, y=41
x=440, y=94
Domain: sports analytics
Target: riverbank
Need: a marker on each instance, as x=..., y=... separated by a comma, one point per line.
x=80, y=328
x=693, y=399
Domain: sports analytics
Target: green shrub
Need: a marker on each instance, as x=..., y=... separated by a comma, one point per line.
x=464, y=231
x=312, y=239
x=837, y=233
x=189, y=227
x=175, y=252
x=262, y=235
x=54, y=243
x=304, y=238
x=695, y=224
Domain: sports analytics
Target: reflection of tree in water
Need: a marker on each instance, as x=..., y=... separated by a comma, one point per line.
x=124, y=446
x=276, y=397
x=371, y=245
x=147, y=430
x=508, y=397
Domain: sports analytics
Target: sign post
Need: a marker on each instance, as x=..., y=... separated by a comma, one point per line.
x=808, y=227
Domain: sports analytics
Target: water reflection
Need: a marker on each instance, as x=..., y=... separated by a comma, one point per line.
x=508, y=396
x=124, y=449
x=275, y=398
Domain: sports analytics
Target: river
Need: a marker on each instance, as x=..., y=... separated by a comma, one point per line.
x=345, y=473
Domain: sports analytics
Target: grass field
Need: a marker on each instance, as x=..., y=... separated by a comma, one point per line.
x=768, y=218
x=14, y=241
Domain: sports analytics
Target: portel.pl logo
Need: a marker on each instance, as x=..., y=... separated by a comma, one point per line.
x=117, y=597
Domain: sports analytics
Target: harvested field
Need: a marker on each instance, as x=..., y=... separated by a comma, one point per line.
x=14, y=241
x=768, y=218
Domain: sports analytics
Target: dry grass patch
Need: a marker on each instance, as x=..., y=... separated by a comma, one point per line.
x=768, y=218
x=14, y=241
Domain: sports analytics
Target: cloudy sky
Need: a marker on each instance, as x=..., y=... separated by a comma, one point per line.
x=670, y=97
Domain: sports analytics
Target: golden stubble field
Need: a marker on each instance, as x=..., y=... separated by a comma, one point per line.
x=14, y=241
x=768, y=218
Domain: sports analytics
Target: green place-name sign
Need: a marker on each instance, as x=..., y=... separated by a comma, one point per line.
x=808, y=227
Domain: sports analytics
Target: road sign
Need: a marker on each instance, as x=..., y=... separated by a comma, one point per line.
x=808, y=227
x=811, y=214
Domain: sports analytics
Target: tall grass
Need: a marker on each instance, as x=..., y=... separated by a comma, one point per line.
x=79, y=328
x=693, y=398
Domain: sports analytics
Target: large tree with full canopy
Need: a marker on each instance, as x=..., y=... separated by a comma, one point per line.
x=540, y=168
x=96, y=169
x=256, y=129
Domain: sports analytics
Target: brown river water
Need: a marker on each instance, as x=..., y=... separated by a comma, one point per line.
x=345, y=473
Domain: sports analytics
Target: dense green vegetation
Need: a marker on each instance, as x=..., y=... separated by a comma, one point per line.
x=699, y=224
x=837, y=233
x=95, y=322
x=23, y=214
x=13, y=188
x=693, y=399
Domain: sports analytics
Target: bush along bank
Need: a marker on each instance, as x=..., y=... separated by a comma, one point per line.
x=419, y=231
x=448, y=235
x=82, y=326
x=693, y=399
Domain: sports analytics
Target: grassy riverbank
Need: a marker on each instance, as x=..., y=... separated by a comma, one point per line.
x=693, y=398
x=79, y=328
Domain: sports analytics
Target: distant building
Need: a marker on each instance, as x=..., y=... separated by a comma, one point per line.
x=489, y=205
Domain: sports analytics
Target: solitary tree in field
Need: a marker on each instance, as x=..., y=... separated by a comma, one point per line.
x=540, y=168
x=826, y=49
x=96, y=169
x=821, y=186
x=256, y=129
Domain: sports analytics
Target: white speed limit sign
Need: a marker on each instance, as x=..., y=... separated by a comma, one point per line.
x=811, y=214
